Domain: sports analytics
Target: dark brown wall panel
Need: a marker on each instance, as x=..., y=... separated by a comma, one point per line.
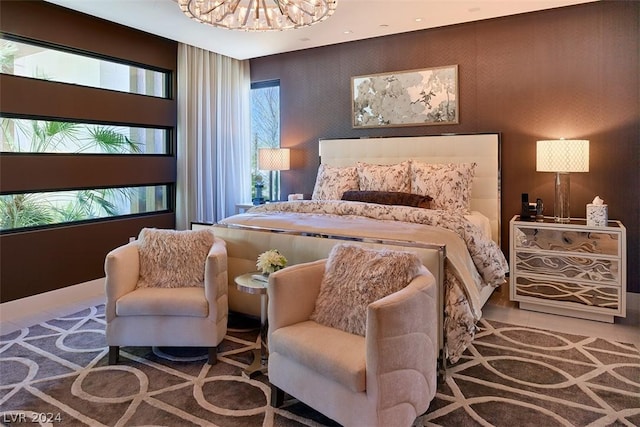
x=59, y=171
x=568, y=72
x=30, y=97
x=39, y=20
x=43, y=260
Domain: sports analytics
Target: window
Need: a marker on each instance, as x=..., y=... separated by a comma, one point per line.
x=39, y=62
x=265, y=131
x=42, y=136
x=59, y=207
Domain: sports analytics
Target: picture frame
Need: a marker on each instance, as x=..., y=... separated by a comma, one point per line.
x=421, y=97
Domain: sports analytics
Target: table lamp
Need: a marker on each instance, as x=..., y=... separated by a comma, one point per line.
x=274, y=160
x=562, y=156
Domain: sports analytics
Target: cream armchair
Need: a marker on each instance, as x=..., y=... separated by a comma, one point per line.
x=150, y=316
x=386, y=378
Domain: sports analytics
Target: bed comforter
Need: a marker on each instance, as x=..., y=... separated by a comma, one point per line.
x=473, y=260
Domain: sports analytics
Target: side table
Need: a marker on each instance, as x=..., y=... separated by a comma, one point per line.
x=246, y=283
x=243, y=207
x=570, y=269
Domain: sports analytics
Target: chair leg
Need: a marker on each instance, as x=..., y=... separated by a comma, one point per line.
x=114, y=353
x=277, y=396
x=213, y=355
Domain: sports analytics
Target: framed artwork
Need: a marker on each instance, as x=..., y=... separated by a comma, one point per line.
x=406, y=98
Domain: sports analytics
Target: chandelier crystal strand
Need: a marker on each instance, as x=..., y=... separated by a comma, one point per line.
x=258, y=15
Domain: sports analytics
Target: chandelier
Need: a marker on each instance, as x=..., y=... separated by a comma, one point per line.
x=258, y=15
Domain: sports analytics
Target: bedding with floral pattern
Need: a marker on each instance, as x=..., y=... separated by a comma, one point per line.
x=449, y=184
x=486, y=254
x=333, y=181
x=384, y=177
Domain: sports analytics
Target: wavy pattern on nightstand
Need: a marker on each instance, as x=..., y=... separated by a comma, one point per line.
x=593, y=269
x=551, y=290
x=568, y=241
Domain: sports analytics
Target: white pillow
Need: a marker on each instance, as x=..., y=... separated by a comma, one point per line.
x=173, y=259
x=332, y=182
x=384, y=177
x=449, y=184
x=354, y=277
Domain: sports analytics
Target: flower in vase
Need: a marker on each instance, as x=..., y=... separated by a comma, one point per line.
x=271, y=261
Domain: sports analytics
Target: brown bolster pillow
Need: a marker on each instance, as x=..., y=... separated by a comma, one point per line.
x=388, y=198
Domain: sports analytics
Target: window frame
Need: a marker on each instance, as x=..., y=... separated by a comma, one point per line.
x=266, y=190
x=169, y=197
x=168, y=83
x=168, y=145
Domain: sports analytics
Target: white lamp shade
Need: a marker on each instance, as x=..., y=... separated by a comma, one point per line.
x=274, y=159
x=562, y=155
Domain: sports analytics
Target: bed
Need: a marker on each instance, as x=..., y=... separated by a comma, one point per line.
x=457, y=237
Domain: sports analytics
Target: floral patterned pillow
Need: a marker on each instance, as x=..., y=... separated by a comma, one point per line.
x=449, y=184
x=384, y=177
x=332, y=182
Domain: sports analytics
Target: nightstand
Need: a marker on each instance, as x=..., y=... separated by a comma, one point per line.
x=243, y=207
x=569, y=269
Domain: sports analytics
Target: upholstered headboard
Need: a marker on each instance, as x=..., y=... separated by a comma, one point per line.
x=484, y=149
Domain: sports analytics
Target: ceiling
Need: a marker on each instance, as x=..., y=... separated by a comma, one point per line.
x=353, y=20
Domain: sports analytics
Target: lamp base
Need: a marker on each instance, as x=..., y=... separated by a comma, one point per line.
x=258, y=200
x=561, y=204
x=271, y=189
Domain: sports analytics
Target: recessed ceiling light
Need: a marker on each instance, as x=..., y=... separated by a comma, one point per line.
x=384, y=25
x=418, y=19
x=348, y=31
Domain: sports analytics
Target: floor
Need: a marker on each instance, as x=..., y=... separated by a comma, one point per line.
x=625, y=329
x=33, y=310
x=30, y=311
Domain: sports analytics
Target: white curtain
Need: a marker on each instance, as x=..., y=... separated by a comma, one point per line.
x=213, y=137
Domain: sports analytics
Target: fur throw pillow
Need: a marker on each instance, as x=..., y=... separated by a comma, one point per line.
x=354, y=277
x=173, y=259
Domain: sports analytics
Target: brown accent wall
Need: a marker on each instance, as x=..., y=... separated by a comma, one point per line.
x=45, y=21
x=25, y=96
x=36, y=261
x=570, y=72
x=67, y=172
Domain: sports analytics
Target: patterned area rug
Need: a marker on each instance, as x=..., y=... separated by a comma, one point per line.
x=57, y=373
x=515, y=376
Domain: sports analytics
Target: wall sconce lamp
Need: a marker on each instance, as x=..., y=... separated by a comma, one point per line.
x=274, y=160
x=562, y=156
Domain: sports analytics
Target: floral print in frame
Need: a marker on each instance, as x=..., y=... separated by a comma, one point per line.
x=407, y=98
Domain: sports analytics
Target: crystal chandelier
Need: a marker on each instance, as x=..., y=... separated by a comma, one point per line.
x=258, y=15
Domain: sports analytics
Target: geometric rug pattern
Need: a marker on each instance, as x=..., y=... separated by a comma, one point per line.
x=56, y=373
x=515, y=376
